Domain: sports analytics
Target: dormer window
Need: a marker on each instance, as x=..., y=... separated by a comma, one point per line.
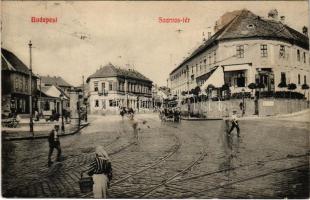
x=96, y=86
x=250, y=26
x=240, y=51
x=282, y=51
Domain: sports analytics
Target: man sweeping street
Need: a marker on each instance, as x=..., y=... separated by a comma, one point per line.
x=234, y=123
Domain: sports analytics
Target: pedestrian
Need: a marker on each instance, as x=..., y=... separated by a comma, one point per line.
x=101, y=172
x=36, y=115
x=54, y=142
x=234, y=123
x=123, y=112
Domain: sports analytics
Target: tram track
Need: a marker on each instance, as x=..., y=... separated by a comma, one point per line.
x=153, y=185
x=180, y=183
x=242, y=180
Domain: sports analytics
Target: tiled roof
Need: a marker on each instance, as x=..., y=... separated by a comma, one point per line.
x=52, y=91
x=113, y=71
x=248, y=25
x=11, y=62
x=53, y=80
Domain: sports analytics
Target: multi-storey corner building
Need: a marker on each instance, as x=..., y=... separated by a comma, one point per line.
x=112, y=87
x=247, y=49
x=15, y=82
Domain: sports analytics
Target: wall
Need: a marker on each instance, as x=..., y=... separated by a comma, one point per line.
x=280, y=106
x=217, y=109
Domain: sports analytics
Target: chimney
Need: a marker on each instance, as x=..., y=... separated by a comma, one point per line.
x=305, y=30
x=203, y=36
x=209, y=35
x=273, y=14
x=282, y=19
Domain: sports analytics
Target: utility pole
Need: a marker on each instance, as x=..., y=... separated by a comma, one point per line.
x=84, y=98
x=30, y=89
x=40, y=96
x=308, y=35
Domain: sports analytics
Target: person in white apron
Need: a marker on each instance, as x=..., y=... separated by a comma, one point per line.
x=101, y=171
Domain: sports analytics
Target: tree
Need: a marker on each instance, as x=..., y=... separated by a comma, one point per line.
x=260, y=86
x=225, y=87
x=282, y=85
x=196, y=90
x=305, y=87
x=291, y=87
x=209, y=88
x=252, y=86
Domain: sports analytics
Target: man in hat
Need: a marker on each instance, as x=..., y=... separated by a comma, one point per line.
x=234, y=123
x=54, y=142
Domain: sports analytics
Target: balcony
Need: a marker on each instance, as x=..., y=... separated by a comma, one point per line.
x=105, y=93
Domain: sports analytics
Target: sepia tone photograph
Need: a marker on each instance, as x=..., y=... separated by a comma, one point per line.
x=155, y=99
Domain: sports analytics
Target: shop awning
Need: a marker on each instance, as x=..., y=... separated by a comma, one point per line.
x=216, y=79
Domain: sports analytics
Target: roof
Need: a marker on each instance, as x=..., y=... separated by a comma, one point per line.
x=113, y=71
x=247, y=25
x=53, y=80
x=52, y=92
x=10, y=62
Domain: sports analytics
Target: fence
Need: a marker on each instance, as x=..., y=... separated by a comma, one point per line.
x=266, y=107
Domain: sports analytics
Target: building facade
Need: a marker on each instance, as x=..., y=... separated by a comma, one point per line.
x=248, y=49
x=112, y=87
x=15, y=81
x=53, y=93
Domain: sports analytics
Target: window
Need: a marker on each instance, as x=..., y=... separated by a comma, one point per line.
x=209, y=58
x=304, y=57
x=214, y=54
x=298, y=79
x=112, y=103
x=103, y=86
x=16, y=84
x=298, y=55
x=305, y=79
x=235, y=78
x=282, y=51
x=103, y=104
x=240, y=51
x=283, y=77
x=46, y=106
x=96, y=103
x=263, y=50
x=110, y=86
x=192, y=69
x=121, y=86
x=96, y=86
x=26, y=85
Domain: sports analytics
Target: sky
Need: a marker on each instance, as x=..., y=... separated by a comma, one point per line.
x=122, y=33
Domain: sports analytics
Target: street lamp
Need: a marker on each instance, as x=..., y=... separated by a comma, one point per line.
x=62, y=114
x=243, y=105
x=30, y=88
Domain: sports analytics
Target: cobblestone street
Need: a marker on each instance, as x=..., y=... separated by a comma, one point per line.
x=191, y=159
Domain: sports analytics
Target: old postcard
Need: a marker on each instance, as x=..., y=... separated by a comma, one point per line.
x=166, y=99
